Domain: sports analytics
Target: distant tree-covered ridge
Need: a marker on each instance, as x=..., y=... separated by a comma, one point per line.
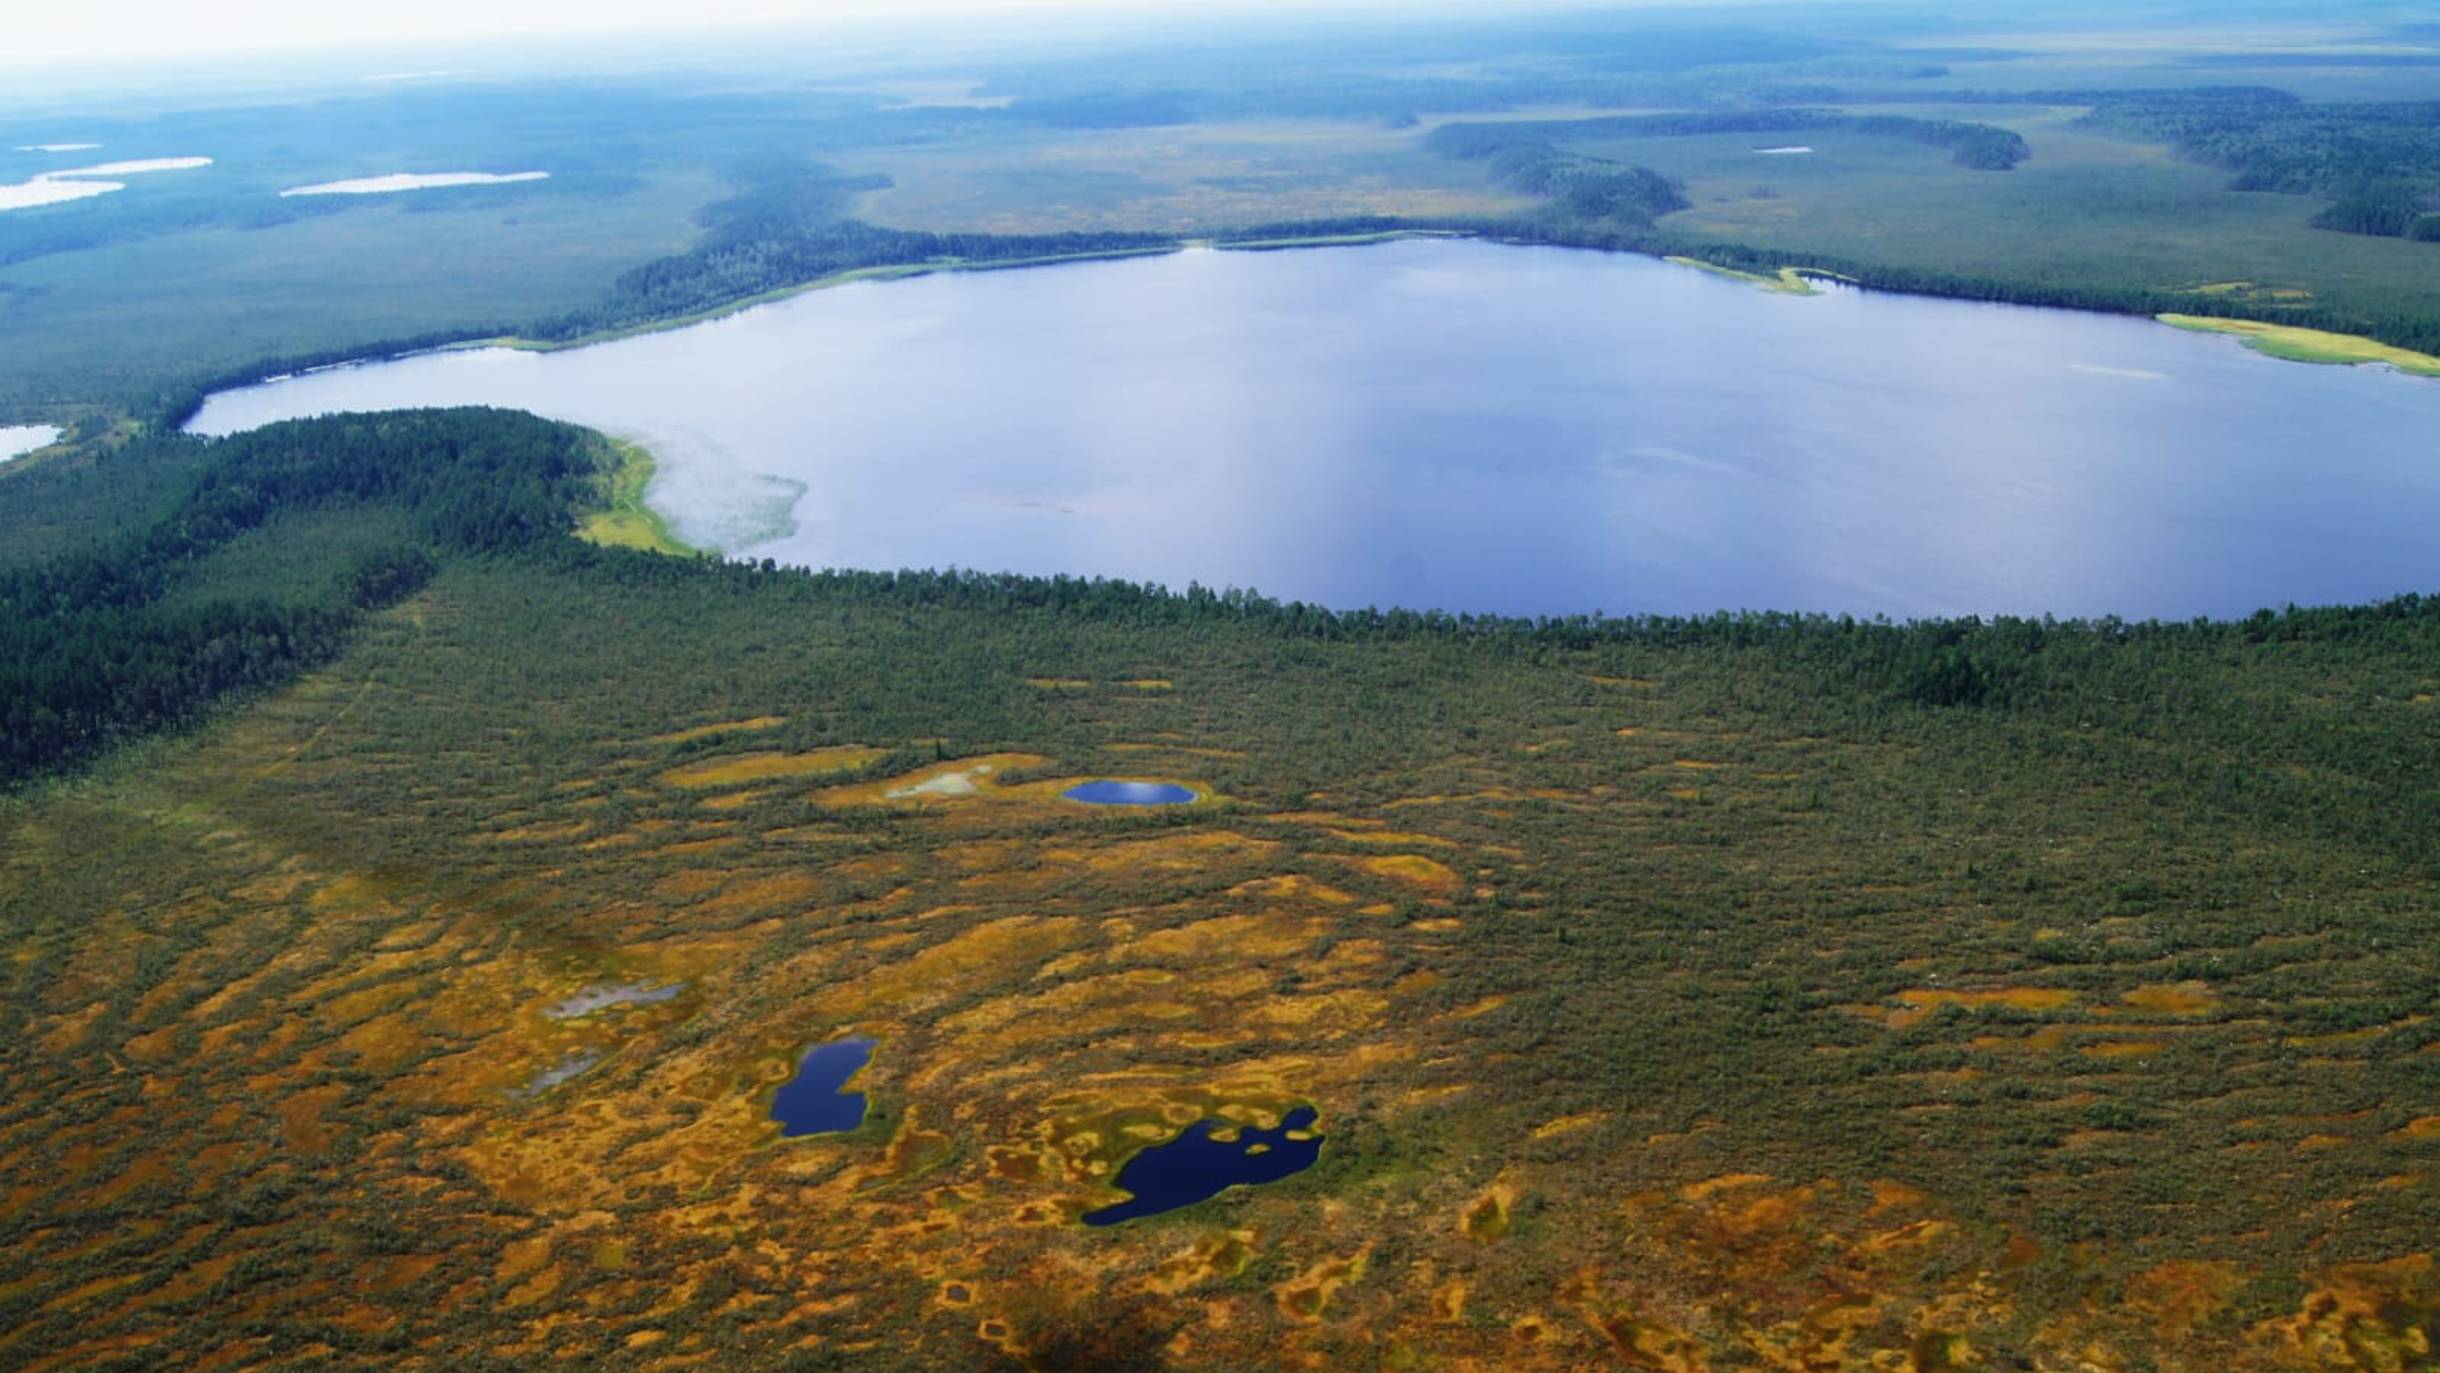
x=1983, y=147
x=792, y=228
x=2379, y=161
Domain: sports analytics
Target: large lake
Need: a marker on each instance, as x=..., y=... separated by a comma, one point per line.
x=1477, y=427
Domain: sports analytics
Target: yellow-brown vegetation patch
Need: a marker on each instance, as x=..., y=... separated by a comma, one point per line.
x=1305, y=1297
x=1395, y=838
x=2124, y=1048
x=688, y=736
x=964, y=779
x=740, y=769
x=1414, y=870
x=1568, y=1125
x=1918, y=1003
x=2174, y=998
x=2182, y=1294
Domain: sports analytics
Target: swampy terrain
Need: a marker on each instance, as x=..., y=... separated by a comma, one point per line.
x=411, y=912
x=1670, y=994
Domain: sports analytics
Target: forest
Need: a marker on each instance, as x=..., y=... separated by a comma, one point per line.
x=95, y=647
x=2379, y=161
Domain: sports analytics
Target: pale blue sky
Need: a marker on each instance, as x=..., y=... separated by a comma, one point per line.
x=98, y=30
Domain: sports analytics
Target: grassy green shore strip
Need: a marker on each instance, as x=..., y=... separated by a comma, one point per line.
x=626, y=521
x=2294, y=344
x=1793, y=281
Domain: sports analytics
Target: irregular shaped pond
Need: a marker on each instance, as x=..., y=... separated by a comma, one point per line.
x=1194, y=1166
x=17, y=440
x=573, y=1066
x=593, y=999
x=811, y=1103
x=1130, y=794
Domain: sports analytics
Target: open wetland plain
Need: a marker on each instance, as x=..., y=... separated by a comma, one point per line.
x=442, y=1001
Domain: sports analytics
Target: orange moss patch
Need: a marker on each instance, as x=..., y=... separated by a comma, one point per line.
x=1485, y=1219
x=1568, y=1125
x=2366, y=1315
x=1483, y=1007
x=1292, y=887
x=2425, y=1127
x=1060, y=683
x=739, y=769
x=1213, y=1258
x=1001, y=951
x=1696, y=765
x=1401, y=838
x=1304, y=1298
x=1149, y=684
x=2174, y=998
x=2184, y=1293
x=2124, y=1048
x=1920, y=1002
x=542, y=831
x=963, y=779
x=1413, y=869
x=1190, y=751
x=688, y=736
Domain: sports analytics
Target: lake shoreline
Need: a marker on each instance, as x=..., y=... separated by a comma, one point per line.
x=1566, y=401
x=1784, y=275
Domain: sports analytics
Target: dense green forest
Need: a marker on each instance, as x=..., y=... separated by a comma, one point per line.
x=2380, y=161
x=96, y=647
x=93, y=658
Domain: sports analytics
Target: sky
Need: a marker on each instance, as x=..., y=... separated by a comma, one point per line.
x=99, y=31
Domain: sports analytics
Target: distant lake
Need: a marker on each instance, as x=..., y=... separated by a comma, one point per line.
x=1477, y=427
x=17, y=440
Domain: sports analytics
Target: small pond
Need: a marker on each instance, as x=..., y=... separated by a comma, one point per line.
x=811, y=1103
x=1108, y=793
x=1195, y=1167
x=606, y=997
x=573, y=1066
x=17, y=440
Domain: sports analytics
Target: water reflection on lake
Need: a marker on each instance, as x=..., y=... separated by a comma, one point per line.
x=1470, y=426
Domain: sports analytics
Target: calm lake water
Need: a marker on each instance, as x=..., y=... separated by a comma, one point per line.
x=1470, y=426
x=1130, y=794
x=17, y=440
x=811, y=1103
x=1194, y=1166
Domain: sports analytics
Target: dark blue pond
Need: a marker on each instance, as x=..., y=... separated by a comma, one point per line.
x=811, y=1103
x=1130, y=794
x=1194, y=1166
